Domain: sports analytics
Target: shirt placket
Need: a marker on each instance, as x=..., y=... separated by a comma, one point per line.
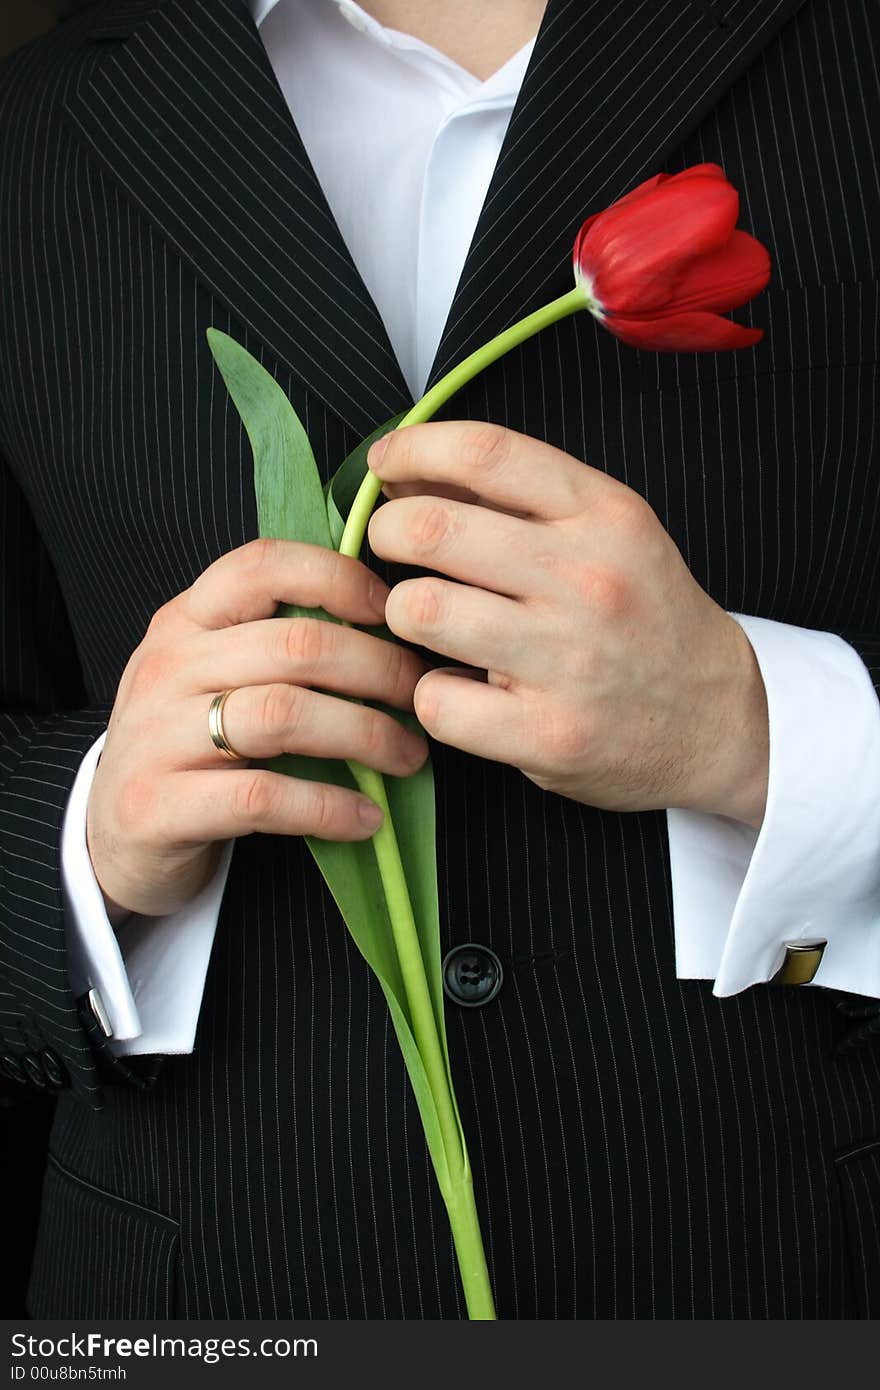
x=459, y=170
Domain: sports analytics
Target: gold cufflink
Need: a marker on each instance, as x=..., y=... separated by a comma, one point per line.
x=800, y=963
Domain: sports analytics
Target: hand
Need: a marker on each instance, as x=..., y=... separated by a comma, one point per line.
x=612, y=677
x=164, y=798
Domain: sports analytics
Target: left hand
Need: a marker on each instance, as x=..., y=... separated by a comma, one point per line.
x=612, y=677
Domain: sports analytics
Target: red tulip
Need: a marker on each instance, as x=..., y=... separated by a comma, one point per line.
x=662, y=264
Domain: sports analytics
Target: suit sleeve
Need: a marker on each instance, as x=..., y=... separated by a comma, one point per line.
x=48, y=1037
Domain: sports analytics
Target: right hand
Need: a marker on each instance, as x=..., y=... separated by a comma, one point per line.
x=164, y=799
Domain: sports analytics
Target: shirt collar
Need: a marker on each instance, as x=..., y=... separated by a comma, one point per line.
x=261, y=8
x=501, y=87
x=350, y=10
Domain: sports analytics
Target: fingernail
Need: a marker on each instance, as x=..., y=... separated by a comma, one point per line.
x=370, y=815
x=376, y=452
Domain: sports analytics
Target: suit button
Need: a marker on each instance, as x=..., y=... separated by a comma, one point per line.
x=56, y=1072
x=12, y=1068
x=472, y=975
x=33, y=1071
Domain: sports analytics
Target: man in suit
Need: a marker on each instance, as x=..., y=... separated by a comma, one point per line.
x=617, y=826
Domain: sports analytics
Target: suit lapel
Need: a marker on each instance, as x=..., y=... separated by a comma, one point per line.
x=611, y=90
x=184, y=111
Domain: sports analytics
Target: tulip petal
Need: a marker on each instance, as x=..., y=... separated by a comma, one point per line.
x=635, y=252
x=689, y=332
x=663, y=263
x=638, y=192
x=648, y=186
x=724, y=280
x=701, y=171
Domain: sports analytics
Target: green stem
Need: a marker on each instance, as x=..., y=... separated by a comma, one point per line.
x=368, y=492
x=464, y=1222
x=459, y=1196
x=412, y=965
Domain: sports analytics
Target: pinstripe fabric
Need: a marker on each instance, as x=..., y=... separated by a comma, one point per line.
x=641, y=1148
x=859, y=1172
x=104, y=1258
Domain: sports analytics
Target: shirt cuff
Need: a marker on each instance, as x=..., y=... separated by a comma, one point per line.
x=812, y=871
x=149, y=972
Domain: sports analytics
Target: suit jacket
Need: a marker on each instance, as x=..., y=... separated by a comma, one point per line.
x=641, y=1148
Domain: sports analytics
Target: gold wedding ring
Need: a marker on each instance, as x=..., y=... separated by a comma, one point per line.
x=215, y=725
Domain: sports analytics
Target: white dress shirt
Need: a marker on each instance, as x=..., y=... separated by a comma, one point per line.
x=406, y=118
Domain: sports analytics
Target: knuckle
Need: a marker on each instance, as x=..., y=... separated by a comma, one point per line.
x=320, y=808
x=376, y=735
x=424, y=603
x=151, y=667
x=432, y=524
x=604, y=591
x=486, y=449
x=260, y=553
x=280, y=709
x=305, y=641
x=255, y=798
x=336, y=569
x=563, y=739
x=162, y=619
x=628, y=512
x=397, y=668
x=247, y=565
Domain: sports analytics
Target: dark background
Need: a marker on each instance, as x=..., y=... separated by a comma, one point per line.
x=21, y=20
x=25, y=1116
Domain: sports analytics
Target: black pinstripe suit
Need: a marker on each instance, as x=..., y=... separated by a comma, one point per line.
x=641, y=1148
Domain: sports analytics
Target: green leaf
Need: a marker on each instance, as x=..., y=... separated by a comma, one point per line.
x=352, y=875
x=290, y=499
x=413, y=802
x=342, y=487
x=292, y=505
x=424, y=1096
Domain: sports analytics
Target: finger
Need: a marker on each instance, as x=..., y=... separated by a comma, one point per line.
x=517, y=472
x=457, y=494
x=471, y=715
x=487, y=548
x=261, y=721
x=303, y=651
x=467, y=624
x=251, y=581
x=231, y=802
